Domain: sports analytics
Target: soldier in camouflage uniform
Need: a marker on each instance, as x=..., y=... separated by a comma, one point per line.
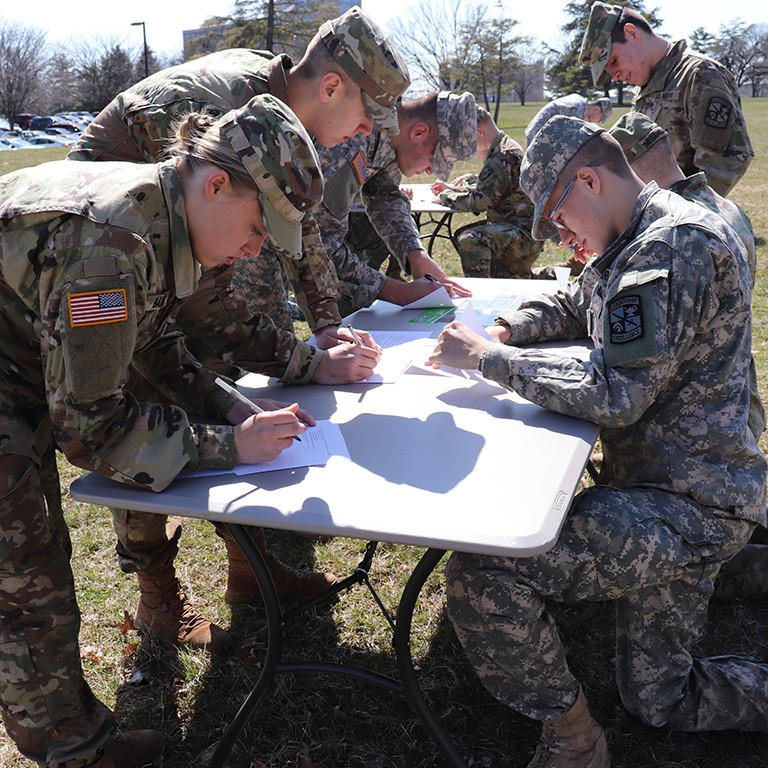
x=682, y=485
x=348, y=78
x=572, y=105
x=649, y=152
x=500, y=245
x=94, y=261
x=695, y=99
x=437, y=130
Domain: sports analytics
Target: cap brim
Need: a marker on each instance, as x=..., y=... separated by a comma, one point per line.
x=542, y=229
x=599, y=76
x=283, y=233
x=384, y=118
x=442, y=166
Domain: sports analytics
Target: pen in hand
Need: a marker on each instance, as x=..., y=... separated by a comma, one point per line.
x=357, y=339
x=244, y=400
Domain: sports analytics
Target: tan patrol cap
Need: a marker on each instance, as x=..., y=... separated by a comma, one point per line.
x=596, y=44
x=636, y=133
x=365, y=53
x=278, y=154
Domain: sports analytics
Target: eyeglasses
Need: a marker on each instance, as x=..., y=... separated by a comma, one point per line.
x=563, y=198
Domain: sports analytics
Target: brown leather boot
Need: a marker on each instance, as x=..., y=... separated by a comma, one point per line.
x=133, y=749
x=165, y=611
x=289, y=582
x=575, y=740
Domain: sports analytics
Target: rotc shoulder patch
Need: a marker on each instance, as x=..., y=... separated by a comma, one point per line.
x=97, y=307
x=629, y=324
x=718, y=112
x=360, y=167
x=625, y=319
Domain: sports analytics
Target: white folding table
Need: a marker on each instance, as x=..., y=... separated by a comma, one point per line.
x=442, y=462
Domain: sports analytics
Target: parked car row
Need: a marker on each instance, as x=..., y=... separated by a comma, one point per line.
x=39, y=131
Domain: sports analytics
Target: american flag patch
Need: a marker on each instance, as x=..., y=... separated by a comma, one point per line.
x=97, y=307
x=361, y=170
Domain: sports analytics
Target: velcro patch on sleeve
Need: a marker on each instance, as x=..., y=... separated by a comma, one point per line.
x=626, y=319
x=718, y=113
x=97, y=307
x=360, y=167
x=630, y=333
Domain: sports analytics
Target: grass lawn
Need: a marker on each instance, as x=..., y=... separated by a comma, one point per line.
x=311, y=722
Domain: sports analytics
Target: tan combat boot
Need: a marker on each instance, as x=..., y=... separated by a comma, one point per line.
x=289, y=582
x=133, y=749
x=165, y=612
x=575, y=740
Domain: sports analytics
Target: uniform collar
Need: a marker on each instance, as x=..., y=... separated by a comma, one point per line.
x=663, y=67
x=622, y=241
x=186, y=270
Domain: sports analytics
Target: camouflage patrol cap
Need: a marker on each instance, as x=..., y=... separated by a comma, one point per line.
x=596, y=44
x=456, y=132
x=636, y=133
x=279, y=156
x=606, y=105
x=547, y=154
x=365, y=53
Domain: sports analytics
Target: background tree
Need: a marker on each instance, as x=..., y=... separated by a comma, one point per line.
x=566, y=75
x=529, y=74
x=23, y=61
x=59, y=92
x=742, y=49
x=494, y=61
x=104, y=68
x=275, y=25
x=702, y=41
x=435, y=38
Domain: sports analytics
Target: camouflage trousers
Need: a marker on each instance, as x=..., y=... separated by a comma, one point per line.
x=655, y=554
x=48, y=709
x=745, y=575
x=499, y=250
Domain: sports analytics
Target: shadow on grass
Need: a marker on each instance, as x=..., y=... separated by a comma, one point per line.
x=322, y=721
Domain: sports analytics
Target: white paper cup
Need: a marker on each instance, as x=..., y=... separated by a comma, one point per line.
x=562, y=274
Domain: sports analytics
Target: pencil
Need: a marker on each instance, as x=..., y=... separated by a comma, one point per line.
x=244, y=400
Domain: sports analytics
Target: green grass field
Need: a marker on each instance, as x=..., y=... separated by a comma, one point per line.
x=311, y=722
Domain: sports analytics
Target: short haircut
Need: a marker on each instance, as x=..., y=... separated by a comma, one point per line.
x=484, y=117
x=420, y=109
x=629, y=16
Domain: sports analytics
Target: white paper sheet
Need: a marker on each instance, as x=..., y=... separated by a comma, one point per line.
x=438, y=298
x=399, y=348
x=317, y=445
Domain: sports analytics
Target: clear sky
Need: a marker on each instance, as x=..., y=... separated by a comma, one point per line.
x=166, y=19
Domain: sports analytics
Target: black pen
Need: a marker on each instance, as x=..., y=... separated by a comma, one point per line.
x=244, y=400
x=431, y=278
x=357, y=339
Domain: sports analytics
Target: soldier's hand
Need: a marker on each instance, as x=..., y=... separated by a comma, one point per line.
x=422, y=264
x=342, y=335
x=263, y=436
x=346, y=364
x=458, y=346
